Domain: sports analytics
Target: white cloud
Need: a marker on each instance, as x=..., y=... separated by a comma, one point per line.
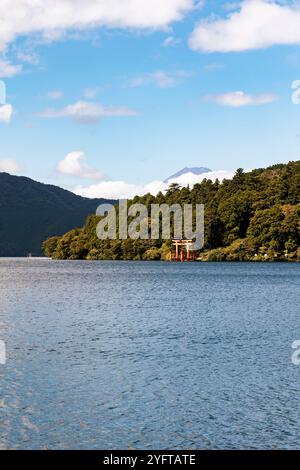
x=9, y=166
x=171, y=41
x=118, y=189
x=52, y=18
x=74, y=164
x=87, y=112
x=6, y=112
x=123, y=190
x=29, y=57
x=7, y=69
x=161, y=79
x=237, y=99
x=55, y=95
x=256, y=24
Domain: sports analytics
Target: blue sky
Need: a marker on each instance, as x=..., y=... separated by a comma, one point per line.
x=95, y=105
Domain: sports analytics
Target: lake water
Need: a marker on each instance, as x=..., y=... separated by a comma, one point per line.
x=148, y=355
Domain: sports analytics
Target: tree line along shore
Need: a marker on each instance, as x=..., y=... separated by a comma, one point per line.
x=252, y=217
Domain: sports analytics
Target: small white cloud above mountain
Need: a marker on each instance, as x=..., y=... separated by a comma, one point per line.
x=9, y=166
x=74, y=164
x=118, y=189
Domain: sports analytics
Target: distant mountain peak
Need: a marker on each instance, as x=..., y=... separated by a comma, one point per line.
x=195, y=170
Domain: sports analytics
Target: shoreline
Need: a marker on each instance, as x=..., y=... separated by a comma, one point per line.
x=258, y=261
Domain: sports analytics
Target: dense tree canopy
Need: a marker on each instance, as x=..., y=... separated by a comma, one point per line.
x=254, y=216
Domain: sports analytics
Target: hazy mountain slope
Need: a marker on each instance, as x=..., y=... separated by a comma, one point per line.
x=32, y=211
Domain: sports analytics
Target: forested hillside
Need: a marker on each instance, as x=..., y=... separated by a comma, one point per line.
x=254, y=216
x=31, y=211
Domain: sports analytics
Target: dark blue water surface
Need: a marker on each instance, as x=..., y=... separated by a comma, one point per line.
x=149, y=355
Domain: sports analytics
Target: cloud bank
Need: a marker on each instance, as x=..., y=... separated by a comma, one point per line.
x=123, y=190
x=256, y=24
x=249, y=24
x=53, y=18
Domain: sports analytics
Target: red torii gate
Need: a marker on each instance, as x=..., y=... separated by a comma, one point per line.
x=182, y=248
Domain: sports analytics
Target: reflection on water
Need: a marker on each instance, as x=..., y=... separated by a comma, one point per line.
x=148, y=355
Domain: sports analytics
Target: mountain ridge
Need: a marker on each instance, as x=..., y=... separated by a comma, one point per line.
x=29, y=210
x=195, y=170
